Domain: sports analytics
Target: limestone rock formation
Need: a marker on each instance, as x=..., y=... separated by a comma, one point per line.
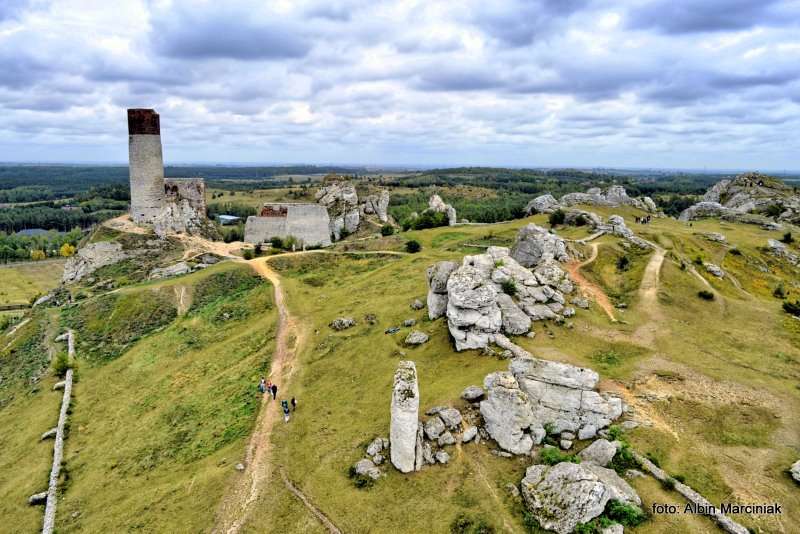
x=416, y=337
x=176, y=269
x=404, y=423
x=367, y=468
x=752, y=193
x=535, y=244
x=616, y=226
x=491, y=293
x=92, y=257
x=565, y=495
x=378, y=204
x=436, y=204
x=542, y=204
x=341, y=200
x=534, y=393
x=714, y=270
x=614, y=196
x=600, y=452
x=342, y=323
x=472, y=393
x=776, y=248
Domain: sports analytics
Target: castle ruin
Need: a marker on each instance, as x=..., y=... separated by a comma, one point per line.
x=309, y=223
x=169, y=205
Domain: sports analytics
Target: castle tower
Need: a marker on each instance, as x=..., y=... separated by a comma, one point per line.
x=146, y=165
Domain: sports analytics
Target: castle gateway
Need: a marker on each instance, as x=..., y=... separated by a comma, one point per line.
x=309, y=223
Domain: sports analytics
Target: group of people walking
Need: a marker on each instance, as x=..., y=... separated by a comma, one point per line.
x=266, y=387
x=643, y=220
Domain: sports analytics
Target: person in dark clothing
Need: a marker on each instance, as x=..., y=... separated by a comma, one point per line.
x=294, y=404
x=274, y=391
x=285, y=406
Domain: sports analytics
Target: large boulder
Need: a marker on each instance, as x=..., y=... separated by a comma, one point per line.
x=378, y=205
x=535, y=244
x=542, y=204
x=404, y=424
x=341, y=201
x=565, y=495
x=507, y=414
x=600, y=452
x=438, y=274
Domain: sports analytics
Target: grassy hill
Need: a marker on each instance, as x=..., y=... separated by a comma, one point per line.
x=167, y=370
x=164, y=403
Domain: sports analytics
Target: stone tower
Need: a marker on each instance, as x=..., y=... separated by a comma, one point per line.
x=146, y=165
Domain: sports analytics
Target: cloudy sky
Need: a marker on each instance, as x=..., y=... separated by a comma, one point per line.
x=637, y=83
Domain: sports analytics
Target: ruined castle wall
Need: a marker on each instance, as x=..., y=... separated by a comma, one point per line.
x=192, y=190
x=309, y=223
x=146, y=165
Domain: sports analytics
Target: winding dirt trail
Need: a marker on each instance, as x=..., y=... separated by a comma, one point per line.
x=589, y=288
x=648, y=299
x=238, y=503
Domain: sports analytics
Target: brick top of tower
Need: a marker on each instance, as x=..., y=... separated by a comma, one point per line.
x=143, y=121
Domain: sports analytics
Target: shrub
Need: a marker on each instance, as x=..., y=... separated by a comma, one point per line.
x=705, y=295
x=623, y=263
x=680, y=478
x=428, y=219
x=276, y=242
x=581, y=220
x=413, y=246
x=792, y=308
x=509, y=287
x=37, y=255
x=61, y=365
x=387, y=230
x=615, y=432
x=625, y=514
x=624, y=460
x=556, y=218
x=464, y=524
x=668, y=483
x=787, y=238
x=359, y=481
x=773, y=211
x=248, y=254
x=735, y=251
x=553, y=456
x=779, y=292
x=650, y=456
x=698, y=260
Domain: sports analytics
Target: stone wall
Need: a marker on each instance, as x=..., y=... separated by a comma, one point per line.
x=308, y=223
x=193, y=190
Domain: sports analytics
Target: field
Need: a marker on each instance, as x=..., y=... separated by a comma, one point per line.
x=719, y=393
x=19, y=283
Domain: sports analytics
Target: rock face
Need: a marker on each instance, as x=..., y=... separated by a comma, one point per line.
x=436, y=204
x=177, y=269
x=92, y=257
x=616, y=226
x=341, y=201
x=535, y=393
x=404, y=424
x=565, y=495
x=535, y=244
x=474, y=295
x=472, y=393
x=378, y=205
x=747, y=193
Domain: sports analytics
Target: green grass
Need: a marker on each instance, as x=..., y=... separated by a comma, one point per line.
x=154, y=432
x=20, y=283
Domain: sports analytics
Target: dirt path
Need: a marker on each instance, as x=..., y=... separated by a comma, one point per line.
x=588, y=288
x=237, y=505
x=648, y=299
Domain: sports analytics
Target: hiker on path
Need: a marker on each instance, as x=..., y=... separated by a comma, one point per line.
x=274, y=389
x=294, y=404
x=285, y=406
x=262, y=386
x=269, y=387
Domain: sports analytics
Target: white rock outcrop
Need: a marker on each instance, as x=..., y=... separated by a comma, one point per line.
x=614, y=196
x=404, y=425
x=565, y=495
x=535, y=244
x=378, y=204
x=341, y=201
x=795, y=471
x=92, y=257
x=436, y=204
x=534, y=394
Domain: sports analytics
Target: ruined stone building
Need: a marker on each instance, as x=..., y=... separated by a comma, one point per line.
x=169, y=205
x=309, y=223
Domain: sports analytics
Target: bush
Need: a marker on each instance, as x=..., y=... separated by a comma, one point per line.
x=387, y=230
x=359, y=481
x=615, y=432
x=624, y=460
x=698, y=260
x=464, y=524
x=787, y=238
x=428, y=219
x=581, y=220
x=773, y=211
x=413, y=246
x=680, y=478
x=623, y=263
x=626, y=515
x=509, y=287
x=553, y=456
x=248, y=254
x=779, y=292
x=556, y=218
x=61, y=365
x=650, y=456
x=735, y=251
x=705, y=295
x=792, y=308
x=668, y=483
x=276, y=242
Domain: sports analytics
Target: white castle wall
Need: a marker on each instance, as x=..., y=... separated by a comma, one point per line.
x=309, y=223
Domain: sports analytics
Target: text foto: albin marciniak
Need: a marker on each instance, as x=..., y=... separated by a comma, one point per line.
x=725, y=508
